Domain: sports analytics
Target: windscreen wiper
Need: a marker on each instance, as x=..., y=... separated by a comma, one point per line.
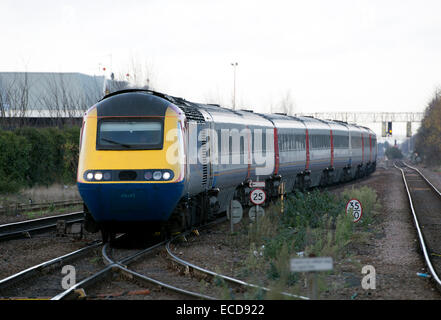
x=116, y=142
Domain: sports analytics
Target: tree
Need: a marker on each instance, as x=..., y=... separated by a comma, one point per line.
x=14, y=96
x=139, y=74
x=286, y=104
x=428, y=140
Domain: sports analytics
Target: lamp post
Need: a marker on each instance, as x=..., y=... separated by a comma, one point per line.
x=234, y=64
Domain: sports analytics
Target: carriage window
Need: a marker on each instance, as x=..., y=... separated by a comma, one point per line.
x=129, y=135
x=320, y=142
x=341, y=141
x=356, y=142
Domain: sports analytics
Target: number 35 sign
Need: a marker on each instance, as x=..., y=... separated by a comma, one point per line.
x=357, y=209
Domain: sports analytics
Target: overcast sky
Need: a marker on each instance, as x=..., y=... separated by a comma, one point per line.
x=339, y=55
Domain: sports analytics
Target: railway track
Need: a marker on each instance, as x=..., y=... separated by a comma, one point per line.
x=156, y=266
x=28, y=227
x=147, y=267
x=425, y=204
x=45, y=279
x=190, y=267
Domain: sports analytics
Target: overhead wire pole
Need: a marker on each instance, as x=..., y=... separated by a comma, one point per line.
x=234, y=64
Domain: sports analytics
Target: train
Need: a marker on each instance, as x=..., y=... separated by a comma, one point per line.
x=150, y=162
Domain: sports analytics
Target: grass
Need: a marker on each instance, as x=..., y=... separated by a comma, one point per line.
x=312, y=224
x=50, y=210
x=39, y=194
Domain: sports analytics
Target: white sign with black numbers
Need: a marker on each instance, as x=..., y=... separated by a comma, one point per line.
x=236, y=211
x=357, y=209
x=256, y=211
x=257, y=196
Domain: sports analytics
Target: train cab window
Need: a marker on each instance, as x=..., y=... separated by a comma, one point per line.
x=129, y=135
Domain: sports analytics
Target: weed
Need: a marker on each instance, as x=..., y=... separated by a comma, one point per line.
x=313, y=224
x=368, y=198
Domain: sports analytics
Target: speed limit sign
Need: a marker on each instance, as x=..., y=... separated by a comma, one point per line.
x=257, y=196
x=357, y=209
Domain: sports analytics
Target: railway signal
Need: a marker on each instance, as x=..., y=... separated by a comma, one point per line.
x=386, y=130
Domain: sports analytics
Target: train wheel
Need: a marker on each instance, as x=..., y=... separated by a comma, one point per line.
x=165, y=233
x=89, y=223
x=105, y=235
x=203, y=211
x=112, y=236
x=186, y=217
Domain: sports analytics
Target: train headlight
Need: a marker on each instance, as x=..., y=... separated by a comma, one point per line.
x=166, y=175
x=148, y=175
x=157, y=175
x=107, y=176
x=98, y=176
x=89, y=176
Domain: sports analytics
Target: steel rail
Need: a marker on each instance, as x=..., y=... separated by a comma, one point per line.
x=8, y=281
x=84, y=283
x=227, y=278
x=120, y=265
x=422, y=175
x=417, y=225
x=22, y=228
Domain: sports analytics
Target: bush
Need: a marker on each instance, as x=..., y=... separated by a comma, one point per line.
x=70, y=154
x=393, y=153
x=368, y=200
x=14, y=161
x=37, y=156
x=428, y=138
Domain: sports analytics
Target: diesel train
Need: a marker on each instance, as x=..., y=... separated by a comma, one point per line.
x=149, y=161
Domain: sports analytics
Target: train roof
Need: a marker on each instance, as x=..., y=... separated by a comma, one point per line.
x=197, y=112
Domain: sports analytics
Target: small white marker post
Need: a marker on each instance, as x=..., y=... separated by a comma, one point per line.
x=282, y=196
x=312, y=264
x=235, y=213
x=231, y=217
x=257, y=206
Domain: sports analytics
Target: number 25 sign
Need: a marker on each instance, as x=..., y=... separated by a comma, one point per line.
x=357, y=209
x=257, y=196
